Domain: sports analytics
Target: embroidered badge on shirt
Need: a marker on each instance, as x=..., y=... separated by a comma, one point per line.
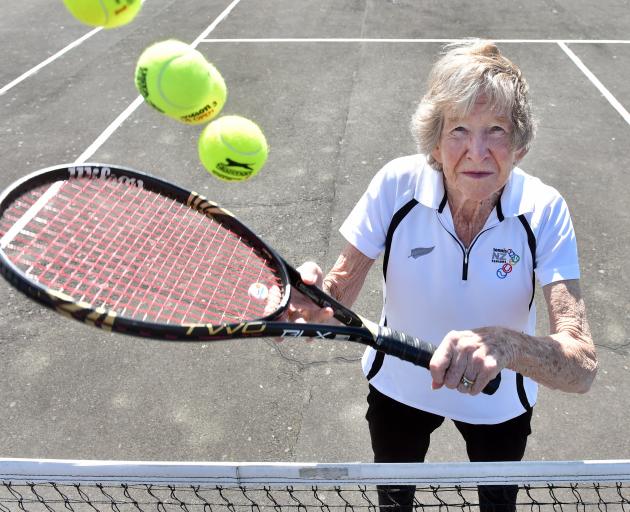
x=420, y=251
x=508, y=258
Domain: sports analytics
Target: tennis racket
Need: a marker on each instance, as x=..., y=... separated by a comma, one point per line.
x=127, y=252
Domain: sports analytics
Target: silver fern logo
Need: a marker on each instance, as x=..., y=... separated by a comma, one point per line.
x=420, y=251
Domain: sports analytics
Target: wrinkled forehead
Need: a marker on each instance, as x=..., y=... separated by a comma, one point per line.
x=480, y=105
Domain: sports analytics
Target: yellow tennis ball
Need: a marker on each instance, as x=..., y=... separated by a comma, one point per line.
x=233, y=148
x=179, y=82
x=104, y=13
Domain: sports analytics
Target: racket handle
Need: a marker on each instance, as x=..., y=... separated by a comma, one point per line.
x=409, y=348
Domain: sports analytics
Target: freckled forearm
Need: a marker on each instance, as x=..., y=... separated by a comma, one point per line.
x=346, y=278
x=566, y=358
x=559, y=361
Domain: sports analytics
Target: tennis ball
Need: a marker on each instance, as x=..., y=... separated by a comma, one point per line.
x=233, y=148
x=179, y=82
x=104, y=13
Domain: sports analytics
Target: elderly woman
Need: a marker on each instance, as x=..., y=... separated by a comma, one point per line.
x=464, y=235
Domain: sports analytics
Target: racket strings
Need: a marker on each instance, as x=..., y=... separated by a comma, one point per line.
x=129, y=254
x=138, y=253
x=238, y=284
x=135, y=254
x=141, y=289
x=73, y=264
x=198, y=297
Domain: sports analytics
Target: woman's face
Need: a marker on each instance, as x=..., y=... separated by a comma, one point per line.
x=476, y=152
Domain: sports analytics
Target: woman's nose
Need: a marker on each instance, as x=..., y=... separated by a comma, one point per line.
x=478, y=147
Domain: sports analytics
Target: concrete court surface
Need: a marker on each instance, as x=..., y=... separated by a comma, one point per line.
x=333, y=84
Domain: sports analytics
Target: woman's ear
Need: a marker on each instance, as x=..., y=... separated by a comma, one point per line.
x=519, y=155
x=436, y=154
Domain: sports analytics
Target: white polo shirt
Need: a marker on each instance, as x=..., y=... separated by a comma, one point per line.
x=433, y=284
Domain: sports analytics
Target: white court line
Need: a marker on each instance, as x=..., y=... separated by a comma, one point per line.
x=102, y=138
x=214, y=24
x=202, y=38
x=411, y=40
x=30, y=214
x=562, y=43
x=50, y=59
x=595, y=81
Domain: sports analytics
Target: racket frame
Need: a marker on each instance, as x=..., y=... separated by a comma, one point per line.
x=353, y=328
x=101, y=317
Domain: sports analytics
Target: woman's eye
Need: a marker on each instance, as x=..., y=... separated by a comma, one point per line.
x=497, y=129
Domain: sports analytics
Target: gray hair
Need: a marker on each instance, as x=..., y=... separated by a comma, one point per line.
x=466, y=71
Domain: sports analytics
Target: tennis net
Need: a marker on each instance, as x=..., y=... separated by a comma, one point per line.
x=62, y=485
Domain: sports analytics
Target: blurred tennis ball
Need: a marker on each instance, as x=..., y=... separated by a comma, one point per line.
x=233, y=148
x=104, y=13
x=178, y=81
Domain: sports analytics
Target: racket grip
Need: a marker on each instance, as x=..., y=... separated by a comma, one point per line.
x=409, y=348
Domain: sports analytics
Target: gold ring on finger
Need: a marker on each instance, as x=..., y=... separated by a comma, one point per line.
x=467, y=383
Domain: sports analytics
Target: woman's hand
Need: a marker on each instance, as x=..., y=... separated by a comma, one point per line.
x=343, y=283
x=301, y=309
x=468, y=360
x=565, y=359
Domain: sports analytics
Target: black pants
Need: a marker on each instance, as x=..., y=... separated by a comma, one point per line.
x=401, y=433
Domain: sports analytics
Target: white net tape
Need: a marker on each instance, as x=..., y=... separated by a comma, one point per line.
x=47, y=485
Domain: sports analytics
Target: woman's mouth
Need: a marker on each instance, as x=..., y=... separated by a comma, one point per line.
x=477, y=174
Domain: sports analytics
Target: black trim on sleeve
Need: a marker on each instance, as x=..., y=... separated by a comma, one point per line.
x=377, y=363
x=531, y=241
x=522, y=395
x=396, y=219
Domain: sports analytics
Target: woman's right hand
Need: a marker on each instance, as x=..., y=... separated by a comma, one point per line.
x=301, y=309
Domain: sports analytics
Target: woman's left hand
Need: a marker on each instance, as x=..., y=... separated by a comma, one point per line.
x=468, y=360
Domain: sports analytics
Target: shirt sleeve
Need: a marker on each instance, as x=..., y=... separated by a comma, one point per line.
x=366, y=226
x=556, y=245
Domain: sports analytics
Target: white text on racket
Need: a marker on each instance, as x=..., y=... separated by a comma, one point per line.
x=296, y=333
x=102, y=172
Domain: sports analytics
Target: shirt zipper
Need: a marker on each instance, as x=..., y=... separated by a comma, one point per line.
x=465, y=252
